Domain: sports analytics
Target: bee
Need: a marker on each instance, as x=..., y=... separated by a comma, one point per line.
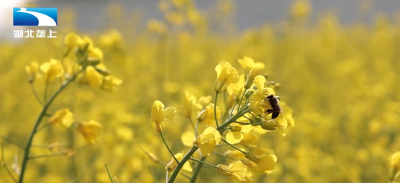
x=274, y=103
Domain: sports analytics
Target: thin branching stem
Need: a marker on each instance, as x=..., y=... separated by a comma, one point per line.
x=45, y=92
x=200, y=161
x=5, y=165
x=215, y=109
x=37, y=123
x=194, y=148
x=191, y=123
x=241, y=99
x=35, y=93
x=223, y=140
x=195, y=130
x=197, y=170
x=109, y=175
x=12, y=142
x=166, y=145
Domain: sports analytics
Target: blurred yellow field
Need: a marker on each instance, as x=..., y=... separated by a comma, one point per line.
x=288, y=102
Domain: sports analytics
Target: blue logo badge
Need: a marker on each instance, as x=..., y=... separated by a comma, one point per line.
x=35, y=17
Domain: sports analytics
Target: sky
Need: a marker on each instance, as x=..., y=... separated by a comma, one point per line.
x=249, y=13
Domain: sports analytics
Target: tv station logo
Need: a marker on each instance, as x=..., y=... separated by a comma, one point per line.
x=34, y=17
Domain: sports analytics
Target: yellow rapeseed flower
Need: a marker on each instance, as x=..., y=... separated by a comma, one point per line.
x=172, y=164
x=248, y=63
x=226, y=74
x=95, y=54
x=187, y=105
x=72, y=40
x=207, y=115
x=92, y=77
x=235, y=133
x=208, y=140
x=63, y=117
x=32, y=71
x=53, y=69
x=159, y=114
x=90, y=130
x=110, y=82
x=236, y=170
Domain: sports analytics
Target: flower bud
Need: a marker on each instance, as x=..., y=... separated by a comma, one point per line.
x=252, y=157
x=202, y=116
x=250, y=77
x=269, y=125
x=248, y=93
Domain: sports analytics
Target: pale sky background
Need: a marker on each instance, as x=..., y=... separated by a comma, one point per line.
x=249, y=13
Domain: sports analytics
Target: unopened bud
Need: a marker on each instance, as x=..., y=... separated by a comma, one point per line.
x=219, y=85
x=250, y=77
x=202, y=116
x=269, y=125
x=252, y=157
x=277, y=86
x=248, y=93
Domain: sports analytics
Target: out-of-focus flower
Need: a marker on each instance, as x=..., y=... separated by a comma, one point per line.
x=207, y=115
x=172, y=164
x=226, y=74
x=156, y=26
x=32, y=71
x=92, y=77
x=300, y=9
x=72, y=40
x=53, y=69
x=110, y=82
x=188, y=138
x=90, y=130
x=208, y=140
x=248, y=63
x=63, y=117
x=187, y=105
x=159, y=114
x=95, y=54
x=236, y=170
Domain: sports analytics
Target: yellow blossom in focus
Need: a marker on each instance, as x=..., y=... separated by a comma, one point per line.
x=248, y=63
x=110, y=82
x=226, y=74
x=53, y=69
x=208, y=116
x=63, y=117
x=172, y=164
x=235, y=133
x=208, y=140
x=236, y=170
x=159, y=114
x=32, y=71
x=89, y=130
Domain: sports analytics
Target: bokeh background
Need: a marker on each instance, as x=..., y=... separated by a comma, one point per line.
x=337, y=62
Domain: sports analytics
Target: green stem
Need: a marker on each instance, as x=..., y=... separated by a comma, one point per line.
x=202, y=162
x=45, y=92
x=215, y=109
x=5, y=165
x=197, y=172
x=241, y=99
x=36, y=95
x=195, y=130
x=109, y=175
x=191, y=123
x=194, y=148
x=181, y=163
x=166, y=145
x=37, y=123
x=233, y=146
